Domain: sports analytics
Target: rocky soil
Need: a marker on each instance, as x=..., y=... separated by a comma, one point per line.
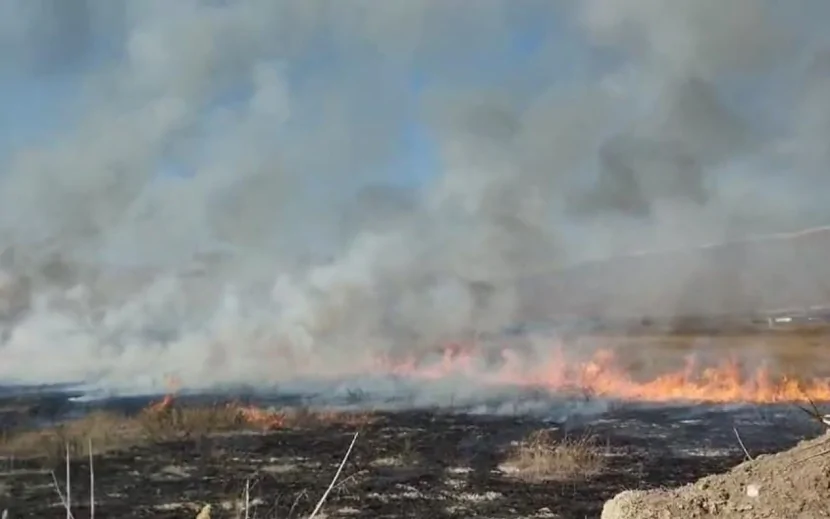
x=794, y=484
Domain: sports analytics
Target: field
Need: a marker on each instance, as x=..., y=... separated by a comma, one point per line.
x=402, y=465
x=171, y=458
x=173, y=462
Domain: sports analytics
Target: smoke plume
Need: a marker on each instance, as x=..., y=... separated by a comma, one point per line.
x=248, y=191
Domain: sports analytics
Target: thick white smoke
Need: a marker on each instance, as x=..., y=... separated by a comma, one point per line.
x=289, y=247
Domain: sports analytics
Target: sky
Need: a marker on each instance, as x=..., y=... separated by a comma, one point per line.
x=54, y=55
x=40, y=91
x=376, y=175
x=58, y=56
x=59, y=45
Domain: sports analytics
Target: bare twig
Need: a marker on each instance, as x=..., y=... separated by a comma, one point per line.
x=296, y=501
x=741, y=443
x=808, y=458
x=352, y=477
x=334, y=479
x=60, y=495
x=247, y=496
x=68, y=487
x=823, y=419
x=91, y=482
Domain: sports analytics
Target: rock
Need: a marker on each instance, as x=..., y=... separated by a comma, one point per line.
x=628, y=504
x=204, y=513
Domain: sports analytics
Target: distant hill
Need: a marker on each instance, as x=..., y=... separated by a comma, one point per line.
x=759, y=276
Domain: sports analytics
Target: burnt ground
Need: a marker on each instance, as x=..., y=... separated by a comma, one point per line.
x=404, y=464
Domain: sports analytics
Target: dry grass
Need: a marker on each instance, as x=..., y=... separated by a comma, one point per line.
x=110, y=431
x=107, y=431
x=302, y=417
x=541, y=458
x=184, y=423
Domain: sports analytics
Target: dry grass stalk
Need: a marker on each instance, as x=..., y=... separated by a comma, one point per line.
x=334, y=479
x=68, y=488
x=247, y=497
x=741, y=443
x=64, y=499
x=91, y=483
x=540, y=458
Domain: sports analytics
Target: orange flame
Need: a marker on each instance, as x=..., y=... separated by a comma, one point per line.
x=162, y=405
x=271, y=419
x=261, y=418
x=602, y=375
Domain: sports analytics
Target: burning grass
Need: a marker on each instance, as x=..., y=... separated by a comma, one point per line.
x=624, y=372
x=163, y=421
x=540, y=457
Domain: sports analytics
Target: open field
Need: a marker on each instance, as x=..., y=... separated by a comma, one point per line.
x=408, y=465
x=424, y=463
x=170, y=458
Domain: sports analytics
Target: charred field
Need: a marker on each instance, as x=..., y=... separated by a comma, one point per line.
x=156, y=461
x=526, y=453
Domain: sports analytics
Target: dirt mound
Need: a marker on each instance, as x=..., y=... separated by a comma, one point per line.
x=791, y=484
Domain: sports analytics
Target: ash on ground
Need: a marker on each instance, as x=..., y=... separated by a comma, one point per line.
x=417, y=463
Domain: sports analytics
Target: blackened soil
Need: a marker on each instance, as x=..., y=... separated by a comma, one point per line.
x=415, y=464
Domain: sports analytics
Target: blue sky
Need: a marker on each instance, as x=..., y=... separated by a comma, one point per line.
x=39, y=106
x=32, y=109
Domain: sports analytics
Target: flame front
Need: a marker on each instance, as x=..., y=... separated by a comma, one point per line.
x=602, y=375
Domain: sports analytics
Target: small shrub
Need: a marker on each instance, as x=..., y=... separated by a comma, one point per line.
x=176, y=423
x=540, y=457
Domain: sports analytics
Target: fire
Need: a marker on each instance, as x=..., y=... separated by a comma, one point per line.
x=602, y=375
x=162, y=405
x=173, y=384
x=253, y=417
x=261, y=418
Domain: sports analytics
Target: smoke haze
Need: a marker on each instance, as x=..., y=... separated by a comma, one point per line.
x=248, y=191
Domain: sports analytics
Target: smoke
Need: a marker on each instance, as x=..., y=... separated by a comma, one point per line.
x=232, y=195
